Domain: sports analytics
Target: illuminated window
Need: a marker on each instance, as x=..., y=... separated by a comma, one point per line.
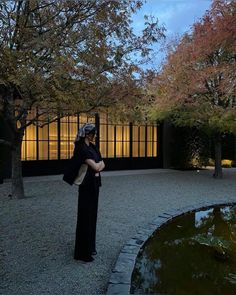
x=114, y=140
x=68, y=132
x=29, y=144
x=110, y=148
x=122, y=141
x=43, y=150
x=55, y=141
x=136, y=141
x=144, y=141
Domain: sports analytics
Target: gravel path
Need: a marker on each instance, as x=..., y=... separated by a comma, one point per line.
x=37, y=233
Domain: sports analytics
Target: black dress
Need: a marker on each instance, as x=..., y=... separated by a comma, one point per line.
x=85, y=242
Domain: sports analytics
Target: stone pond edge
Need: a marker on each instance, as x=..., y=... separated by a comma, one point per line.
x=120, y=278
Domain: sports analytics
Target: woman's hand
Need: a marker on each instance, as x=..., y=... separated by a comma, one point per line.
x=102, y=165
x=97, y=167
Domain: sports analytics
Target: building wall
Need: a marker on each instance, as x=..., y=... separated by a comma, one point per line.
x=47, y=147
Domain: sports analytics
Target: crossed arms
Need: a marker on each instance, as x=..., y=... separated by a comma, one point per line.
x=97, y=167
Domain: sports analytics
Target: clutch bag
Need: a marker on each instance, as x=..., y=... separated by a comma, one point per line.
x=81, y=174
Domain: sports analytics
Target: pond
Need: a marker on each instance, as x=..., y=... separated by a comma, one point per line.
x=194, y=253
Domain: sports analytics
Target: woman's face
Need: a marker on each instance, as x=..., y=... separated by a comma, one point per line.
x=91, y=137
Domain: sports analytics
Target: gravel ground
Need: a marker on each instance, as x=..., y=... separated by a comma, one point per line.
x=37, y=232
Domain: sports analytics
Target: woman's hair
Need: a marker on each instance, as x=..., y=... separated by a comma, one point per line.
x=86, y=129
x=93, y=132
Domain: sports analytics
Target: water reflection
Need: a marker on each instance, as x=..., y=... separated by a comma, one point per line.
x=193, y=254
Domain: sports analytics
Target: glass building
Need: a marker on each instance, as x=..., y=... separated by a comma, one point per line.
x=47, y=147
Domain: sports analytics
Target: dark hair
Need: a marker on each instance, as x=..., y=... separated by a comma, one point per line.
x=93, y=131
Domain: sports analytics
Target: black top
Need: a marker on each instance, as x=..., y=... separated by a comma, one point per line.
x=90, y=152
x=82, y=153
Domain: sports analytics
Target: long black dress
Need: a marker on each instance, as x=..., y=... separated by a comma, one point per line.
x=85, y=242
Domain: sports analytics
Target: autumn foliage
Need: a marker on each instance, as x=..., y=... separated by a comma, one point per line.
x=62, y=57
x=197, y=85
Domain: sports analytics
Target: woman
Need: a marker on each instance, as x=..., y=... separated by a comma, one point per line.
x=85, y=244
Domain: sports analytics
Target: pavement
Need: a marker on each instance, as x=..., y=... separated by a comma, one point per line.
x=37, y=233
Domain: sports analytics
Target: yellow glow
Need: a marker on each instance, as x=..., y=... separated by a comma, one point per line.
x=31, y=150
x=30, y=133
x=64, y=149
x=73, y=131
x=226, y=163
x=135, y=133
x=119, y=149
x=155, y=133
x=64, y=132
x=119, y=133
x=28, y=151
x=43, y=132
x=126, y=149
x=84, y=118
x=53, y=148
x=23, y=151
x=142, y=133
x=103, y=132
x=43, y=150
x=31, y=115
x=68, y=131
x=53, y=131
x=18, y=124
x=73, y=119
x=64, y=120
x=149, y=149
x=135, y=149
x=110, y=132
x=110, y=149
x=142, y=149
x=149, y=133
x=154, y=149
x=103, y=118
x=126, y=133
x=103, y=149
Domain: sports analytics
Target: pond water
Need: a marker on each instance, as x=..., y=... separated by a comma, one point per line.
x=193, y=254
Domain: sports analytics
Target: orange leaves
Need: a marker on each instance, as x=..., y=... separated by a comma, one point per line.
x=198, y=81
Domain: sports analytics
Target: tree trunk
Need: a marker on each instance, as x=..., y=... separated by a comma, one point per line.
x=17, y=180
x=218, y=168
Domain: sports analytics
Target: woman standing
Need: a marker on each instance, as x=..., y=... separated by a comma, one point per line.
x=86, y=151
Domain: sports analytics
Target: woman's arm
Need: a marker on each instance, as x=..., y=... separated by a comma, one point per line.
x=102, y=165
x=95, y=166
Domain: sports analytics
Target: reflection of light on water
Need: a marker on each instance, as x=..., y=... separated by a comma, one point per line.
x=227, y=211
x=197, y=252
x=201, y=216
x=148, y=269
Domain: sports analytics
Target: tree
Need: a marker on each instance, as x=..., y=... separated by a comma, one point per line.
x=60, y=57
x=197, y=85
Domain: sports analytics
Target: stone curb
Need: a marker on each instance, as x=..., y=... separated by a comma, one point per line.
x=120, y=279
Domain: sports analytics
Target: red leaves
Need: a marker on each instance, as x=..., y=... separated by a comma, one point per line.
x=199, y=76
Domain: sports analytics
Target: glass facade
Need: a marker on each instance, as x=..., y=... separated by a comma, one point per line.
x=55, y=141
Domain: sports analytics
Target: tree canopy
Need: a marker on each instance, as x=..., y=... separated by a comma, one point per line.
x=197, y=85
x=63, y=55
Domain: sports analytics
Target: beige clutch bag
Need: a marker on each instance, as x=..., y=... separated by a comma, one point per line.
x=81, y=174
